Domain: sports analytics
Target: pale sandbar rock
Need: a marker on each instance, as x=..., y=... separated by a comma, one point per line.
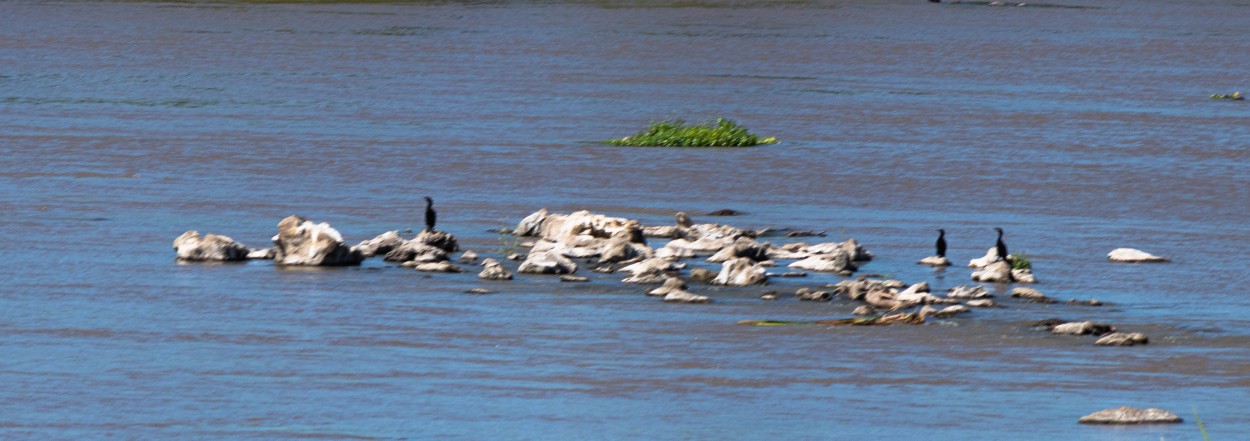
x=981, y=303
x=1133, y=255
x=1130, y=415
x=435, y=267
x=935, y=261
x=1123, y=339
x=1082, y=328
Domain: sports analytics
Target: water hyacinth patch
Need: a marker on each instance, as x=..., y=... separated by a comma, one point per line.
x=721, y=133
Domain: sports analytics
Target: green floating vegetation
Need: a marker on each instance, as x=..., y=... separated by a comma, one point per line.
x=1236, y=96
x=721, y=133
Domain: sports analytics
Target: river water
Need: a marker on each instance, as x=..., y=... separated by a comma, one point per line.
x=1077, y=127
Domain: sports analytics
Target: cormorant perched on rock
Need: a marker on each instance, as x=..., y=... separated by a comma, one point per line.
x=941, y=243
x=999, y=246
x=430, y=216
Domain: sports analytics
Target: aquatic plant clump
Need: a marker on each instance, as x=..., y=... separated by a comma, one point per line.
x=1235, y=96
x=721, y=133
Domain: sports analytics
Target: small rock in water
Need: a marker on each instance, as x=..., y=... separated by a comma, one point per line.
x=808, y=295
x=981, y=303
x=1090, y=302
x=1123, y=339
x=468, y=257
x=478, y=291
x=680, y=296
x=725, y=212
x=574, y=279
x=1130, y=415
x=771, y=295
x=702, y=275
x=935, y=261
x=1082, y=328
x=1032, y=295
x=864, y=310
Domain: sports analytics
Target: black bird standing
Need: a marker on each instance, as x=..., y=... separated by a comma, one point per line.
x=430, y=216
x=941, y=243
x=999, y=246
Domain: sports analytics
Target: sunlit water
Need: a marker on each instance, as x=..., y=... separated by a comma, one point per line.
x=1078, y=130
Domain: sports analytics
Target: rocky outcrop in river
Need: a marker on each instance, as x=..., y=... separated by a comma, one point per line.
x=301, y=242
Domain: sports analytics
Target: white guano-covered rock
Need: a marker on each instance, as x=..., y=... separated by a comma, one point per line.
x=1133, y=255
x=302, y=242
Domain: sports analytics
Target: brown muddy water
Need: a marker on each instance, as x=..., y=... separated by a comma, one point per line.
x=1078, y=127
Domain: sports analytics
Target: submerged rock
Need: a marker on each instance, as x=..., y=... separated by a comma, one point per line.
x=435, y=267
x=190, y=247
x=1130, y=415
x=1123, y=339
x=863, y=310
x=1031, y=295
x=1133, y=255
x=682, y=296
x=302, y=242
x=1082, y=328
x=808, y=295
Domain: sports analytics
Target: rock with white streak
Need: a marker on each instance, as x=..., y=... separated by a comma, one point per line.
x=301, y=242
x=190, y=247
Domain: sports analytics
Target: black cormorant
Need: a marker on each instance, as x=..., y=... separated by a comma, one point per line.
x=941, y=243
x=430, y=216
x=999, y=246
